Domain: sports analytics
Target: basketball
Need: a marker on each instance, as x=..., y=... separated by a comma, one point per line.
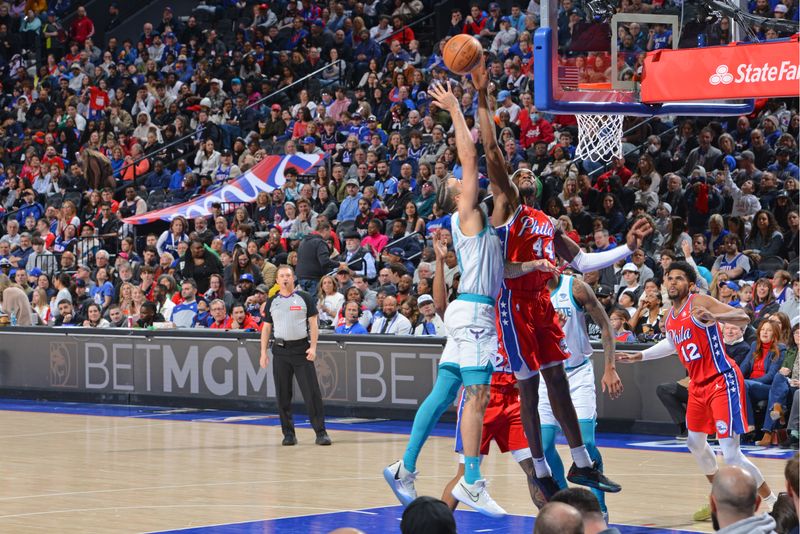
x=462, y=53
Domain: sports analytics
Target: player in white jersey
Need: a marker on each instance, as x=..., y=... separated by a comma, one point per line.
x=573, y=299
x=472, y=339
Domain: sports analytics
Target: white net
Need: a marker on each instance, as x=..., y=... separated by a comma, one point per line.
x=599, y=137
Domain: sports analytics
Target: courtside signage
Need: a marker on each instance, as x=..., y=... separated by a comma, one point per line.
x=722, y=72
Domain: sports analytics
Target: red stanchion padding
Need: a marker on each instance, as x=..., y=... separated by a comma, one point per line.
x=722, y=72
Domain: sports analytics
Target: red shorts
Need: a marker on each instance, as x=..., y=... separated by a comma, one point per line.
x=718, y=406
x=528, y=331
x=501, y=423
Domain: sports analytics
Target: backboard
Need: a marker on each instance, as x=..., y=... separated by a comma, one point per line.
x=591, y=63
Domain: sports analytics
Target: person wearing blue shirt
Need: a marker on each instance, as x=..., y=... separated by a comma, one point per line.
x=784, y=169
x=438, y=223
x=176, y=180
x=761, y=366
x=30, y=207
x=227, y=237
x=348, y=209
x=385, y=183
x=372, y=127
x=351, y=324
x=184, y=315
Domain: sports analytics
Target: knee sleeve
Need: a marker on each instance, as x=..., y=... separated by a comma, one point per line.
x=733, y=455
x=703, y=455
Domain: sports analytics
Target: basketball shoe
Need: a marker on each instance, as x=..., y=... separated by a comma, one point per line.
x=592, y=477
x=401, y=480
x=477, y=497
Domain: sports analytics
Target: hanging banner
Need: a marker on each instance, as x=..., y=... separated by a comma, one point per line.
x=722, y=72
x=265, y=176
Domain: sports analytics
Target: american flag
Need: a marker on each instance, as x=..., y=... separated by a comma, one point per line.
x=568, y=76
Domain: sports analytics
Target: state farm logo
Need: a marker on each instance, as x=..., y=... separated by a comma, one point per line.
x=721, y=76
x=787, y=71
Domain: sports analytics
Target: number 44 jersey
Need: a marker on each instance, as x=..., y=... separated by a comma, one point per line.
x=528, y=236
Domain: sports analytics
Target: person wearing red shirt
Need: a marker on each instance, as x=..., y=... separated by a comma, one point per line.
x=475, y=21
x=618, y=169
x=51, y=158
x=98, y=100
x=82, y=27
x=241, y=320
x=533, y=127
x=221, y=319
x=402, y=33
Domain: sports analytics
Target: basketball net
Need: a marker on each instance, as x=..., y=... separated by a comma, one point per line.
x=599, y=137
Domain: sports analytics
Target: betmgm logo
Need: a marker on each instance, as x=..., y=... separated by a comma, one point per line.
x=64, y=364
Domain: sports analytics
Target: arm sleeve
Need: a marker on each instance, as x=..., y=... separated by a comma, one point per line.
x=311, y=306
x=268, y=312
x=660, y=350
x=598, y=260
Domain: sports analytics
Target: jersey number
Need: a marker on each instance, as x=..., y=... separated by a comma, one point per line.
x=548, y=250
x=690, y=352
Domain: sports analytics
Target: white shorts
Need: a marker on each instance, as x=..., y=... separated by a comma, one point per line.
x=581, y=390
x=471, y=335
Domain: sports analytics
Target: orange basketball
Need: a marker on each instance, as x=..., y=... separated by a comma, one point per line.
x=462, y=53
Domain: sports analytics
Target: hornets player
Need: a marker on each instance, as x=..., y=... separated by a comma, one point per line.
x=468, y=356
x=572, y=299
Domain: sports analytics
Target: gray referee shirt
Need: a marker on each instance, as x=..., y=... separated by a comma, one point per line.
x=289, y=315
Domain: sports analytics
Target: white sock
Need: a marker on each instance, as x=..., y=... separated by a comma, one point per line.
x=581, y=456
x=542, y=468
x=770, y=500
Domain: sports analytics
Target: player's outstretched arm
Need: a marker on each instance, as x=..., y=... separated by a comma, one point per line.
x=585, y=297
x=662, y=349
x=439, y=286
x=709, y=310
x=568, y=250
x=495, y=162
x=470, y=218
x=515, y=269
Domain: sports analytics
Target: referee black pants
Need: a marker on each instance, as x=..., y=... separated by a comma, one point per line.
x=291, y=362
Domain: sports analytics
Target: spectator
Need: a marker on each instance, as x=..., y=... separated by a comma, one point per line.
x=589, y=508
x=391, y=322
x=351, y=324
x=314, y=259
x=558, y=517
x=184, y=315
x=785, y=382
x=430, y=324
x=734, y=501
x=761, y=365
x=427, y=515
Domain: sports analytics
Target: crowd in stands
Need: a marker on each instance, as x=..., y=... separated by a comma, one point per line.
x=192, y=103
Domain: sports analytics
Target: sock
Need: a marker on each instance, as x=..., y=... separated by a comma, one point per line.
x=541, y=468
x=581, y=456
x=441, y=396
x=551, y=455
x=472, y=469
x=587, y=433
x=770, y=500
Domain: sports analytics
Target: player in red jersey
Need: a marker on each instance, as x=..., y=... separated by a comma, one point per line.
x=716, y=386
x=528, y=328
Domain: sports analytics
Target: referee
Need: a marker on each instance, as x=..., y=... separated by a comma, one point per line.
x=293, y=315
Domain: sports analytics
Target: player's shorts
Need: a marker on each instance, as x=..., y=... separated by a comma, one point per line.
x=530, y=336
x=581, y=390
x=471, y=338
x=501, y=423
x=718, y=406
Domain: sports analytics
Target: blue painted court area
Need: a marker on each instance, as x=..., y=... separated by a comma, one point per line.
x=386, y=519
x=351, y=424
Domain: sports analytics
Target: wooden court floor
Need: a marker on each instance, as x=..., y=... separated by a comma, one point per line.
x=77, y=473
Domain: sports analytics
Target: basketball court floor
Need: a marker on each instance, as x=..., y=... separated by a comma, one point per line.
x=99, y=468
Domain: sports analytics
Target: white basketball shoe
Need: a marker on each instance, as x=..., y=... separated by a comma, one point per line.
x=477, y=497
x=401, y=480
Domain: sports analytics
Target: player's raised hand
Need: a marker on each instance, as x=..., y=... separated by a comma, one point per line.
x=612, y=383
x=629, y=357
x=702, y=315
x=444, y=97
x=640, y=229
x=439, y=245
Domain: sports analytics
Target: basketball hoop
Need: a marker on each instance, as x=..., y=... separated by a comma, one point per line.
x=599, y=137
